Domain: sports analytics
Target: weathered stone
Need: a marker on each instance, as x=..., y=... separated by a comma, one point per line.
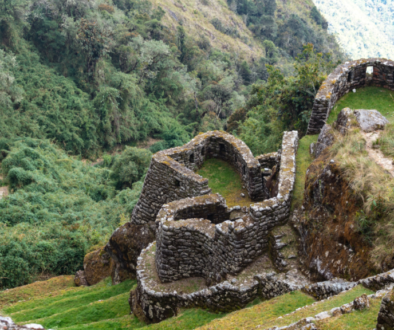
x=125, y=246
x=326, y=139
x=370, y=120
x=345, y=120
x=361, y=303
x=347, y=308
x=6, y=323
x=97, y=265
x=80, y=278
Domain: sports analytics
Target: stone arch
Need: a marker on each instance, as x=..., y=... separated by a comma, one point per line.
x=171, y=173
x=343, y=79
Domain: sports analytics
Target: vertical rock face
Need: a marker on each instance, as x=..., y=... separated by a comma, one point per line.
x=386, y=313
x=331, y=246
x=326, y=139
x=125, y=246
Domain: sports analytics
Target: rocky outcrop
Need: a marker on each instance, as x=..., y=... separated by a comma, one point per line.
x=97, y=265
x=80, y=278
x=6, y=323
x=125, y=246
x=326, y=139
x=370, y=120
x=331, y=245
x=386, y=313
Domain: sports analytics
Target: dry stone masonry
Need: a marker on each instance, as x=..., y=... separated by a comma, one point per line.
x=345, y=78
x=195, y=238
x=171, y=174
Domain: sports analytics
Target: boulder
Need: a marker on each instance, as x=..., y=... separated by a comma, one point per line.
x=370, y=120
x=80, y=278
x=326, y=139
x=347, y=308
x=97, y=265
x=361, y=303
x=125, y=246
x=386, y=313
x=345, y=120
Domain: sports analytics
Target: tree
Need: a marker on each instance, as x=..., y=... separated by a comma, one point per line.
x=130, y=166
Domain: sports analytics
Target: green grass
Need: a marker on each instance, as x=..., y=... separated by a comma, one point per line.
x=303, y=161
x=358, y=320
x=46, y=309
x=366, y=98
x=223, y=179
x=261, y=313
x=267, y=313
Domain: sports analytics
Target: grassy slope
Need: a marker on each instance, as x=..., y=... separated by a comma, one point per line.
x=196, y=19
x=223, y=179
x=358, y=320
x=264, y=314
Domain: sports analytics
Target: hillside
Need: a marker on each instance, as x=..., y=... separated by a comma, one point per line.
x=363, y=28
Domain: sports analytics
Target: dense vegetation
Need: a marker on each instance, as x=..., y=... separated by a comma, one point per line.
x=363, y=28
x=79, y=79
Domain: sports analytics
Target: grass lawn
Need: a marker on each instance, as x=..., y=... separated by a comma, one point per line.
x=266, y=313
x=358, y=320
x=225, y=180
x=366, y=98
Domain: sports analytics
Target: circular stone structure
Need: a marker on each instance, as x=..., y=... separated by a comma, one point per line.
x=355, y=74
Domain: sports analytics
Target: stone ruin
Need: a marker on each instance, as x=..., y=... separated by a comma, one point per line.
x=345, y=78
x=171, y=173
x=198, y=236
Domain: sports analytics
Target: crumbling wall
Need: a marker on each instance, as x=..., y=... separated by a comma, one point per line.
x=346, y=77
x=170, y=176
x=197, y=247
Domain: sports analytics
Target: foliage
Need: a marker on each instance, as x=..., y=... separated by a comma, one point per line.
x=363, y=28
x=58, y=209
x=130, y=166
x=284, y=103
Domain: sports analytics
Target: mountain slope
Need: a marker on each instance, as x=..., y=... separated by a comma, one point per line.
x=363, y=28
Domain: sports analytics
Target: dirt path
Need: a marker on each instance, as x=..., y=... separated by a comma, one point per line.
x=376, y=154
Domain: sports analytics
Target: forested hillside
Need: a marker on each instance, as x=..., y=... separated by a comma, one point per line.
x=364, y=28
x=81, y=79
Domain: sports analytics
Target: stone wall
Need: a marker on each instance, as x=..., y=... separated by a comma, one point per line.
x=346, y=77
x=386, y=313
x=170, y=176
x=196, y=247
x=223, y=297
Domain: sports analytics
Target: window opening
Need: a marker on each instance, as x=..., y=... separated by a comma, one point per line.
x=177, y=183
x=350, y=76
x=211, y=217
x=203, y=151
x=243, y=169
x=191, y=158
x=222, y=148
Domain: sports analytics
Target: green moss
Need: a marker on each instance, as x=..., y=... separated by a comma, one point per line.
x=366, y=98
x=303, y=160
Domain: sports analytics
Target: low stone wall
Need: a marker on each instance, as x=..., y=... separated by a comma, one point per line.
x=269, y=160
x=197, y=247
x=323, y=290
x=223, y=297
x=378, y=282
x=346, y=77
x=170, y=176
